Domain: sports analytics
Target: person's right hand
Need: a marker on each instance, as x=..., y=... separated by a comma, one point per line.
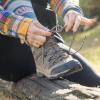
x=37, y=33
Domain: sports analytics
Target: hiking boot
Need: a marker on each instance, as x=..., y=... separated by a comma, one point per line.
x=53, y=61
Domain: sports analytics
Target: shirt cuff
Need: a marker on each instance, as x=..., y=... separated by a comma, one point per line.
x=74, y=8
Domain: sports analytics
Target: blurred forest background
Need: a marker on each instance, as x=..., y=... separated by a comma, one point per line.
x=91, y=48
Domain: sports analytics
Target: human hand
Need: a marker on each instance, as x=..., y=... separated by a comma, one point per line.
x=73, y=20
x=37, y=33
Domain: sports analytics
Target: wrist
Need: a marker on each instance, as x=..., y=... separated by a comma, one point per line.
x=72, y=11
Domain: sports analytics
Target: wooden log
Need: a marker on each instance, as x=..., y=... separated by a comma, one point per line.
x=43, y=89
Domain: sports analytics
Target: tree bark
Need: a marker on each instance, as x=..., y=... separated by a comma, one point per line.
x=43, y=89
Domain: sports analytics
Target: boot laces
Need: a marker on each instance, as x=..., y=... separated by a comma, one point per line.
x=59, y=29
x=53, y=53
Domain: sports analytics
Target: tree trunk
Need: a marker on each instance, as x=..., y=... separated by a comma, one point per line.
x=43, y=89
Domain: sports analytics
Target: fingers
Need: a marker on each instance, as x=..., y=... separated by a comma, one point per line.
x=82, y=21
x=70, y=22
x=34, y=43
x=39, y=31
x=36, y=40
x=40, y=39
x=87, y=22
x=73, y=20
x=77, y=23
x=41, y=26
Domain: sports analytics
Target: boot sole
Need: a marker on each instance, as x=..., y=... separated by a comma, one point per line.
x=71, y=70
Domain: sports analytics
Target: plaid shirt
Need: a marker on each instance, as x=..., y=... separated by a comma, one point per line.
x=16, y=15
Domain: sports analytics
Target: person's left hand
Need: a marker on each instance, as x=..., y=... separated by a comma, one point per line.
x=73, y=20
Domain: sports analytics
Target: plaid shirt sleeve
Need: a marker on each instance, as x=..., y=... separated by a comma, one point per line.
x=15, y=17
x=63, y=6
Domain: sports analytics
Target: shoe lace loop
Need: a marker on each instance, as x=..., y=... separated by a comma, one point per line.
x=59, y=29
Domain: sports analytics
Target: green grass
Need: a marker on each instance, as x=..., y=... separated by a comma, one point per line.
x=91, y=48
